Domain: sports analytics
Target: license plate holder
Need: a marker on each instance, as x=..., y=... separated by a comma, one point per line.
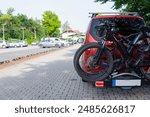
x=126, y=83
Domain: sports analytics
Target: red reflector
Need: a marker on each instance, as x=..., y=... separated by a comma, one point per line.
x=99, y=84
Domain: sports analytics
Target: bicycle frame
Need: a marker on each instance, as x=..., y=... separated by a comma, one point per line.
x=129, y=55
x=119, y=45
x=126, y=54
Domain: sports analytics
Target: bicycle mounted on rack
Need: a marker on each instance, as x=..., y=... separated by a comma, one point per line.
x=124, y=69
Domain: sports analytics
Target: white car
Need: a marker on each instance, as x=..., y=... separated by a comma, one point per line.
x=12, y=44
x=35, y=43
x=47, y=44
x=56, y=41
x=64, y=43
x=4, y=44
x=22, y=43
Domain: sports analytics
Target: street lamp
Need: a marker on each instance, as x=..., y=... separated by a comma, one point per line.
x=22, y=33
x=3, y=31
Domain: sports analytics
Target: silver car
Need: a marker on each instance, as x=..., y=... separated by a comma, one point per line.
x=35, y=43
x=4, y=44
x=12, y=44
x=23, y=43
x=47, y=43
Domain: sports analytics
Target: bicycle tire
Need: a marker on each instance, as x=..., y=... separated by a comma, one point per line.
x=92, y=77
x=144, y=71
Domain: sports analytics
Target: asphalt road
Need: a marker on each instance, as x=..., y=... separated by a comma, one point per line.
x=52, y=77
x=13, y=53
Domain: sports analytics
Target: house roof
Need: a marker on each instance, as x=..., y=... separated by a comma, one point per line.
x=72, y=31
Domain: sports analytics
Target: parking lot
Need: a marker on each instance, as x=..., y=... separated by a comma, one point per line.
x=52, y=77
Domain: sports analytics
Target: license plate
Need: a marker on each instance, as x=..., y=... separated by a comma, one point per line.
x=126, y=82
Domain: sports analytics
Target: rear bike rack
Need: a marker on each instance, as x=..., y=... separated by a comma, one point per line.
x=123, y=80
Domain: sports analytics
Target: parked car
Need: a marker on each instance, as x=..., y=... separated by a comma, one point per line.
x=125, y=24
x=56, y=41
x=64, y=43
x=80, y=40
x=35, y=43
x=17, y=44
x=74, y=41
x=22, y=43
x=12, y=44
x=70, y=42
x=4, y=44
x=47, y=44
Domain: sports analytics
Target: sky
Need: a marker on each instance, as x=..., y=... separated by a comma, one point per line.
x=73, y=11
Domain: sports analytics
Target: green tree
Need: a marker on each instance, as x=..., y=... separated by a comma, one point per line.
x=10, y=10
x=51, y=23
x=21, y=27
x=4, y=21
x=66, y=26
x=36, y=29
x=1, y=13
x=16, y=25
x=140, y=6
x=5, y=18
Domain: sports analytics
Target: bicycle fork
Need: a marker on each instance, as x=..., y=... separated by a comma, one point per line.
x=96, y=59
x=139, y=59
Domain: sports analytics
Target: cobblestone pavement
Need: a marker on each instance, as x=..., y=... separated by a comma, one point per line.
x=52, y=77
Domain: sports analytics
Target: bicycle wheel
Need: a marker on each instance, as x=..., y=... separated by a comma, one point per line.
x=145, y=69
x=86, y=69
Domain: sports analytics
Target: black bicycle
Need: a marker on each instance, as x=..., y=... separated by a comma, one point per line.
x=127, y=54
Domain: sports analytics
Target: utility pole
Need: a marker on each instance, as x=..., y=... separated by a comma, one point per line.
x=22, y=33
x=3, y=32
x=35, y=32
x=67, y=27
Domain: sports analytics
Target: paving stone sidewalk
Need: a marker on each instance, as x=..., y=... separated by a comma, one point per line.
x=52, y=77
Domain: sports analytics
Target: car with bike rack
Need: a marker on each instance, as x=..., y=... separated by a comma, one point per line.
x=116, y=50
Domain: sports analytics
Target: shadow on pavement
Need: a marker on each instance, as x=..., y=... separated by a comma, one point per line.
x=57, y=80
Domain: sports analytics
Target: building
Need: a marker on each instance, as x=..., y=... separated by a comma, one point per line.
x=70, y=34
